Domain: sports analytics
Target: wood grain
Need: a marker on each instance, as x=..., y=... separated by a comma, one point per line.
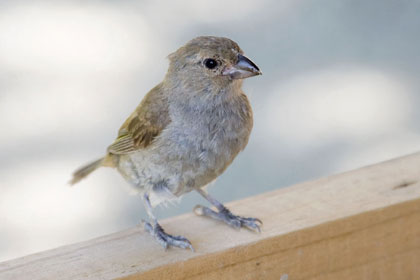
x=363, y=224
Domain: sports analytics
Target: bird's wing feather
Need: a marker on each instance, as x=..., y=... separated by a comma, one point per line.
x=143, y=125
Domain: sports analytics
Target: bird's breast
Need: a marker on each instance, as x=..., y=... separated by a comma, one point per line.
x=206, y=141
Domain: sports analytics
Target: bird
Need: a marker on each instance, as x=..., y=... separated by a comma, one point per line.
x=185, y=132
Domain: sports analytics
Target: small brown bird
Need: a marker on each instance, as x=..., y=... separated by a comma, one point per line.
x=186, y=132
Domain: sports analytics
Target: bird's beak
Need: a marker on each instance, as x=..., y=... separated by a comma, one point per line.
x=244, y=68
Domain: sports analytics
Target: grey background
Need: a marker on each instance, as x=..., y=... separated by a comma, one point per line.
x=339, y=91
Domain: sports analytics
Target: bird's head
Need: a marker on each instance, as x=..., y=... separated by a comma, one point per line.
x=211, y=59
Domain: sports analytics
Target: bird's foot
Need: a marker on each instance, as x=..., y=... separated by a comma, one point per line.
x=226, y=216
x=165, y=239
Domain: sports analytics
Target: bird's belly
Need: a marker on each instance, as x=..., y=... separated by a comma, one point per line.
x=182, y=160
x=204, y=157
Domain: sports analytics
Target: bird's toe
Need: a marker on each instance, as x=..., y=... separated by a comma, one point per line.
x=227, y=217
x=166, y=240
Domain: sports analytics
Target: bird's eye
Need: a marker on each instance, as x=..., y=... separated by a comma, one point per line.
x=210, y=63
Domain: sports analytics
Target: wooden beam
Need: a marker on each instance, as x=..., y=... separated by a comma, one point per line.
x=363, y=224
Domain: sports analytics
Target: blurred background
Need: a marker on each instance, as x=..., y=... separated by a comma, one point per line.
x=339, y=91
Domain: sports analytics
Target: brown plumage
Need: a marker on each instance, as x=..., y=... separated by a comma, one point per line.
x=143, y=125
x=186, y=131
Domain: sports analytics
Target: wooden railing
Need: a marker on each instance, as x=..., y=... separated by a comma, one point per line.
x=359, y=225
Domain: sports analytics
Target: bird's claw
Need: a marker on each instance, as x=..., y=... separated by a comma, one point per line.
x=226, y=216
x=166, y=240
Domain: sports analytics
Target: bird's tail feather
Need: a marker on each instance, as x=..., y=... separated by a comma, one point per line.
x=84, y=171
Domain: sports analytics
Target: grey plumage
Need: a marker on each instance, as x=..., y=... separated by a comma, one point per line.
x=187, y=130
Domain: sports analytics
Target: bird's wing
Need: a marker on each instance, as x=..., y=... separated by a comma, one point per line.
x=143, y=125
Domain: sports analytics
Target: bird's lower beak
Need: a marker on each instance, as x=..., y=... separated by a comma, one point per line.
x=244, y=68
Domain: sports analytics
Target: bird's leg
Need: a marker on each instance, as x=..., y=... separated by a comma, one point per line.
x=223, y=214
x=159, y=234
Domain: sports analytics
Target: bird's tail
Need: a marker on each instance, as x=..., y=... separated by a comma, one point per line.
x=84, y=171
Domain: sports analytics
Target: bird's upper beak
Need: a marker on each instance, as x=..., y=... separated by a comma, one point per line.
x=244, y=68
